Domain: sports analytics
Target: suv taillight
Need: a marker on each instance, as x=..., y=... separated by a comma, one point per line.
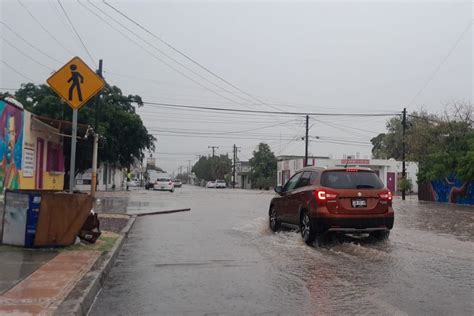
x=322, y=196
x=386, y=197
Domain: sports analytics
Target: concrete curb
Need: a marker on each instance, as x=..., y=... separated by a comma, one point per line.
x=81, y=298
x=163, y=212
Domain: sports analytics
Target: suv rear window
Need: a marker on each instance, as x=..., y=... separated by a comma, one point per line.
x=163, y=179
x=351, y=180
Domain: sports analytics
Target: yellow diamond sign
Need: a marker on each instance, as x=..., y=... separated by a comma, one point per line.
x=76, y=83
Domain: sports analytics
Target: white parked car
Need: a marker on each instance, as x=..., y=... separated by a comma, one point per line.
x=133, y=183
x=164, y=184
x=211, y=184
x=220, y=184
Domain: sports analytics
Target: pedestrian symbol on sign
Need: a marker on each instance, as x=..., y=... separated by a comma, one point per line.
x=76, y=83
x=75, y=76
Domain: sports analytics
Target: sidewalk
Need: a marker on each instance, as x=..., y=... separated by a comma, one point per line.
x=41, y=281
x=45, y=288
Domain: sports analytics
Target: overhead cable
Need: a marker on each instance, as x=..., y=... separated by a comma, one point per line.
x=77, y=34
x=186, y=56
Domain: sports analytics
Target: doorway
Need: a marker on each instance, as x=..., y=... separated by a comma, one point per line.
x=39, y=162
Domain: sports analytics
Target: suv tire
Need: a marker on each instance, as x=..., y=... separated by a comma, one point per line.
x=380, y=235
x=273, y=221
x=308, y=232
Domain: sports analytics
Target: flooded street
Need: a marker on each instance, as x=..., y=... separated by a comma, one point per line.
x=222, y=259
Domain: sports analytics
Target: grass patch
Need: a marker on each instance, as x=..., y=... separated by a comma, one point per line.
x=105, y=242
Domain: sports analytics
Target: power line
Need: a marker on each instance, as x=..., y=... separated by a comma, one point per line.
x=44, y=28
x=77, y=34
x=16, y=71
x=186, y=56
x=181, y=106
x=435, y=72
x=151, y=53
x=167, y=55
x=164, y=134
x=24, y=54
x=345, y=127
x=29, y=44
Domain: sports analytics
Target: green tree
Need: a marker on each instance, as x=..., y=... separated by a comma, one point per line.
x=442, y=144
x=221, y=166
x=202, y=169
x=212, y=168
x=124, y=137
x=263, y=167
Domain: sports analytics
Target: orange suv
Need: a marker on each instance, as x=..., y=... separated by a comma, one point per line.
x=346, y=200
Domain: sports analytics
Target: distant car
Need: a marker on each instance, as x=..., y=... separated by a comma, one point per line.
x=220, y=184
x=177, y=183
x=343, y=200
x=211, y=184
x=164, y=184
x=133, y=183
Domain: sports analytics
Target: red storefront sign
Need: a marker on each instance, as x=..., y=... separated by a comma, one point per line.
x=355, y=161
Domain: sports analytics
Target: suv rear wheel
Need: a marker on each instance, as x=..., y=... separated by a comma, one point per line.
x=273, y=221
x=308, y=232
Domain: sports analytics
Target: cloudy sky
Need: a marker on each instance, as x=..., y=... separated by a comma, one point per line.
x=325, y=57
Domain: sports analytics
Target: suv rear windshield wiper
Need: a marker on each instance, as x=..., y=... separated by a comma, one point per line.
x=364, y=186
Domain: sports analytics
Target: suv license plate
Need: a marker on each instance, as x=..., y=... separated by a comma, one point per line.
x=359, y=203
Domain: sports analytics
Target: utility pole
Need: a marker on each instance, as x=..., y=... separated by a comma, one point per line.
x=234, y=166
x=306, y=142
x=213, y=149
x=189, y=170
x=96, y=138
x=404, y=126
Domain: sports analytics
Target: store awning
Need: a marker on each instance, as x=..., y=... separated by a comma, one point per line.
x=64, y=127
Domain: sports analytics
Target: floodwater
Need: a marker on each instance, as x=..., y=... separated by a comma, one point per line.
x=221, y=259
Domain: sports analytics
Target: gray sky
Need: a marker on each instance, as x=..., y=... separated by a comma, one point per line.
x=369, y=57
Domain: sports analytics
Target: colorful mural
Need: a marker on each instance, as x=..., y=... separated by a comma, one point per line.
x=11, y=143
x=449, y=190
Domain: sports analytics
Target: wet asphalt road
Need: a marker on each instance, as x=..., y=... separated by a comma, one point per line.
x=221, y=259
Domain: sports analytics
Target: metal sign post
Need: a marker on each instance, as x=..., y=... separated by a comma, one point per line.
x=72, y=167
x=76, y=84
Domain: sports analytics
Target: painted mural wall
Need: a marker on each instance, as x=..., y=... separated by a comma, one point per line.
x=11, y=145
x=43, y=160
x=448, y=190
x=23, y=165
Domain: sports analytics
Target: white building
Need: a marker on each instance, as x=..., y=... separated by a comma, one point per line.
x=242, y=171
x=389, y=171
x=108, y=178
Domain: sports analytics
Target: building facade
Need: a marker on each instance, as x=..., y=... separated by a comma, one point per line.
x=242, y=171
x=31, y=151
x=389, y=171
x=108, y=178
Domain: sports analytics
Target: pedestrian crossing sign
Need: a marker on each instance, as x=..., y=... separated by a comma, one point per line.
x=76, y=83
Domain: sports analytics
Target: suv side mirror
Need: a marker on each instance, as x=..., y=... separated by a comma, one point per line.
x=279, y=189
